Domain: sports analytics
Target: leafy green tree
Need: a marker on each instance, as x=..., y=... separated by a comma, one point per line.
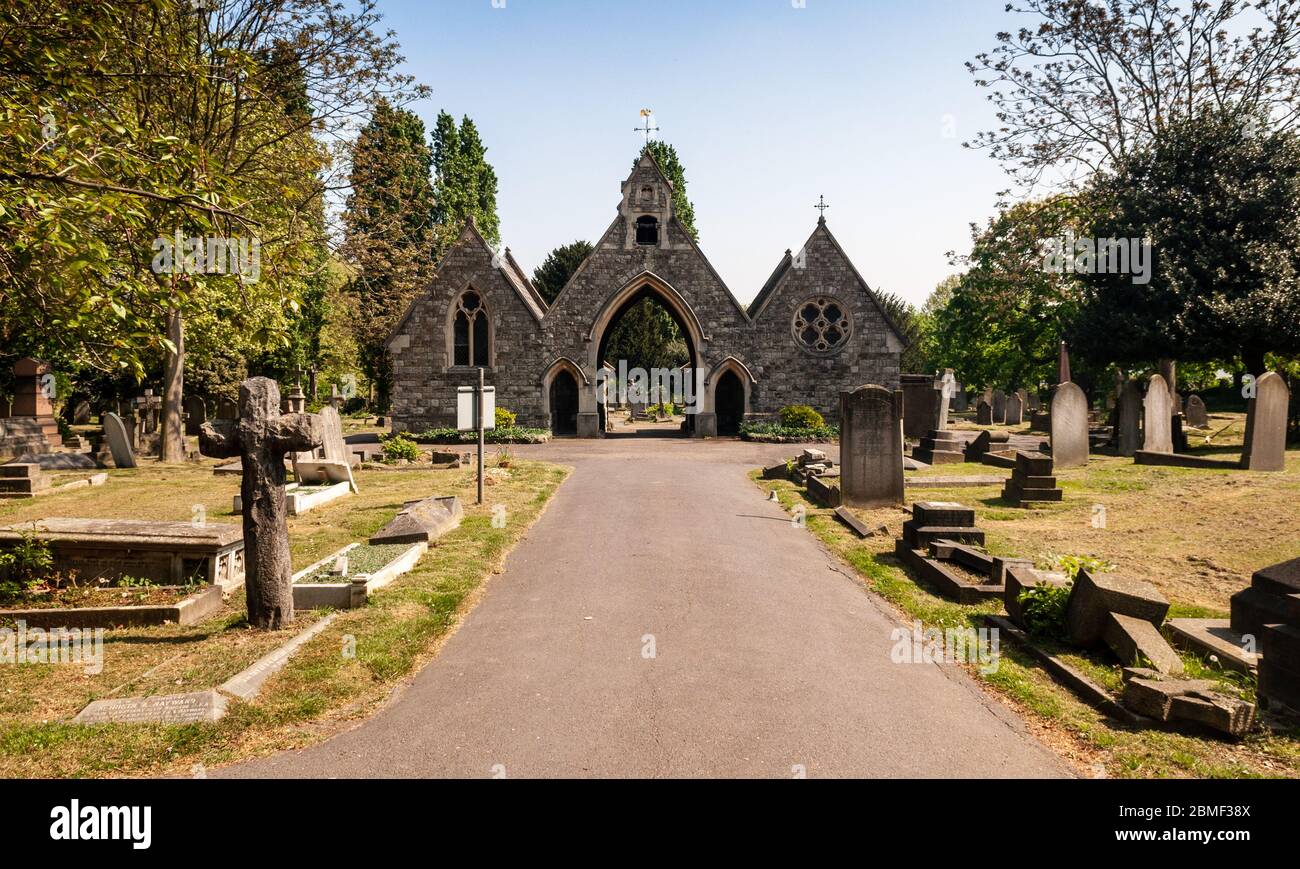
x=120, y=129
x=915, y=327
x=1004, y=321
x=465, y=183
x=647, y=337
x=389, y=230
x=559, y=265
x=666, y=156
x=1219, y=199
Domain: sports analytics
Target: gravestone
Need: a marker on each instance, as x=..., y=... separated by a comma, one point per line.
x=984, y=413
x=196, y=414
x=81, y=413
x=1265, y=446
x=1033, y=403
x=999, y=407
x=1196, y=414
x=1069, y=427
x=1157, y=418
x=119, y=441
x=33, y=387
x=421, y=521
x=1015, y=410
x=871, y=447
x=1128, y=426
x=227, y=409
x=333, y=447
x=923, y=405
x=1063, y=364
x=262, y=437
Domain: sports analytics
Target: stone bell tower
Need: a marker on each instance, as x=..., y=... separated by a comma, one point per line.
x=647, y=207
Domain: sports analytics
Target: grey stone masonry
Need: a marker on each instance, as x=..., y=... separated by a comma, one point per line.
x=816, y=328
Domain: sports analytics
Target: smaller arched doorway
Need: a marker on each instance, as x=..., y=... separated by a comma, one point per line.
x=729, y=403
x=564, y=404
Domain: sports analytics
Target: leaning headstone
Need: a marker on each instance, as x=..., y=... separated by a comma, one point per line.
x=1069, y=422
x=1157, y=413
x=1015, y=412
x=871, y=447
x=334, y=448
x=1095, y=596
x=421, y=521
x=119, y=441
x=1195, y=412
x=999, y=407
x=262, y=437
x=81, y=413
x=1128, y=426
x=1265, y=446
x=196, y=414
x=984, y=413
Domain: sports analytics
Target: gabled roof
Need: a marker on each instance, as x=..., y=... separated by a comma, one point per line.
x=783, y=270
x=617, y=222
x=509, y=269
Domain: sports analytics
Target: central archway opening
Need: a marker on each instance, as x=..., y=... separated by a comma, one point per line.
x=645, y=334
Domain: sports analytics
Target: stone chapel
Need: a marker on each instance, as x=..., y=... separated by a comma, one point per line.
x=815, y=329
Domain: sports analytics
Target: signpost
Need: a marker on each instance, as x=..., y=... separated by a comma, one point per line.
x=476, y=410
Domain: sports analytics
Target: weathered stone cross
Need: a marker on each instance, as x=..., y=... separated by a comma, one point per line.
x=261, y=437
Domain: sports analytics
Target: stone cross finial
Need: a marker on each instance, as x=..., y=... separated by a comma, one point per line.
x=262, y=437
x=821, y=207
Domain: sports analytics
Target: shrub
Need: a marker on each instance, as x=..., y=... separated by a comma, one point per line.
x=1043, y=609
x=1072, y=564
x=801, y=416
x=506, y=418
x=24, y=565
x=398, y=448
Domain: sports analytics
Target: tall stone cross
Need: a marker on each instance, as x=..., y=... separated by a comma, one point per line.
x=262, y=437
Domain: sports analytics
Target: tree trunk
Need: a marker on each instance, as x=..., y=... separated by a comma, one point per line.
x=1254, y=361
x=172, y=437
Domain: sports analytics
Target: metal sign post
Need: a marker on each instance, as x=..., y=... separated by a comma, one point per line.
x=476, y=411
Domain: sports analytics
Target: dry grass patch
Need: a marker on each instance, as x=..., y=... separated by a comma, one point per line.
x=1198, y=535
x=322, y=688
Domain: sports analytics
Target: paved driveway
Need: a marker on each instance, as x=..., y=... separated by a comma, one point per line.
x=663, y=619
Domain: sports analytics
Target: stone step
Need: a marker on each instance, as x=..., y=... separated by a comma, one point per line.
x=1253, y=608
x=19, y=469
x=938, y=457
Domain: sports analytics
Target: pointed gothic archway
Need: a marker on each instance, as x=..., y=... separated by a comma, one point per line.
x=646, y=285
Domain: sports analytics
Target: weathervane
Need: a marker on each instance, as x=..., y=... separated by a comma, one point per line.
x=646, y=116
x=821, y=206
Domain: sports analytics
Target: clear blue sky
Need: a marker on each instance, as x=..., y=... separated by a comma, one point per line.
x=768, y=105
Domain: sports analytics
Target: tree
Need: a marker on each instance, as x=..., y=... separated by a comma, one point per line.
x=647, y=337
x=121, y=131
x=388, y=230
x=559, y=265
x=1093, y=80
x=1219, y=199
x=1004, y=321
x=666, y=156
x=465, y=183
x=915, y=328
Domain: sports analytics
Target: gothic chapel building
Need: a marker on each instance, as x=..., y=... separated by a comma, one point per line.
x=814, y=330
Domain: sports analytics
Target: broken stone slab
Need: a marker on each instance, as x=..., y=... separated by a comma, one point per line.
x=779, y=471
x=1281, y=578
x=1135, y=641
x=1228, y=715
x=1188, y=701
x=421, y=521
x=1002, y=564
x=322, y=472
x=1154, y=697
x=920, y=537
x=451, y=459
x=1095, y=596
x=811, y=456
x=825, y=490
x=1206, y=637
x=857, y=526
x=246, y=683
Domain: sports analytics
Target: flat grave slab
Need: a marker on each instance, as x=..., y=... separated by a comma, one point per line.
x=197, y=706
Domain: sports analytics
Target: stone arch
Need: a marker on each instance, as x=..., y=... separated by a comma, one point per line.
x=730, y=365
x=645, y=285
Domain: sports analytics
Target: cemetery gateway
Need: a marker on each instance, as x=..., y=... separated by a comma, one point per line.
x=814, y=330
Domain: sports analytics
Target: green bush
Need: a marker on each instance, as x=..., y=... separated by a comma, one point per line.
x=801, y=416
x=506, y=418
x=767, y=431
x=1072, y=564
x=1043, y=610
x=399, y=448
x=514, y=435
x=24, y=565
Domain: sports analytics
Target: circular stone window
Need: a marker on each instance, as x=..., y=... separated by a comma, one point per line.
x=822, y=325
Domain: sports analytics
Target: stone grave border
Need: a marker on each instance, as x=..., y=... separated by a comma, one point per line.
x=354, y=593
x=189, y=610
x=298, y=503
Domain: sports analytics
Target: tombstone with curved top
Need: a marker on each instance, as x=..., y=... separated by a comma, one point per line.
x=1069, y=427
